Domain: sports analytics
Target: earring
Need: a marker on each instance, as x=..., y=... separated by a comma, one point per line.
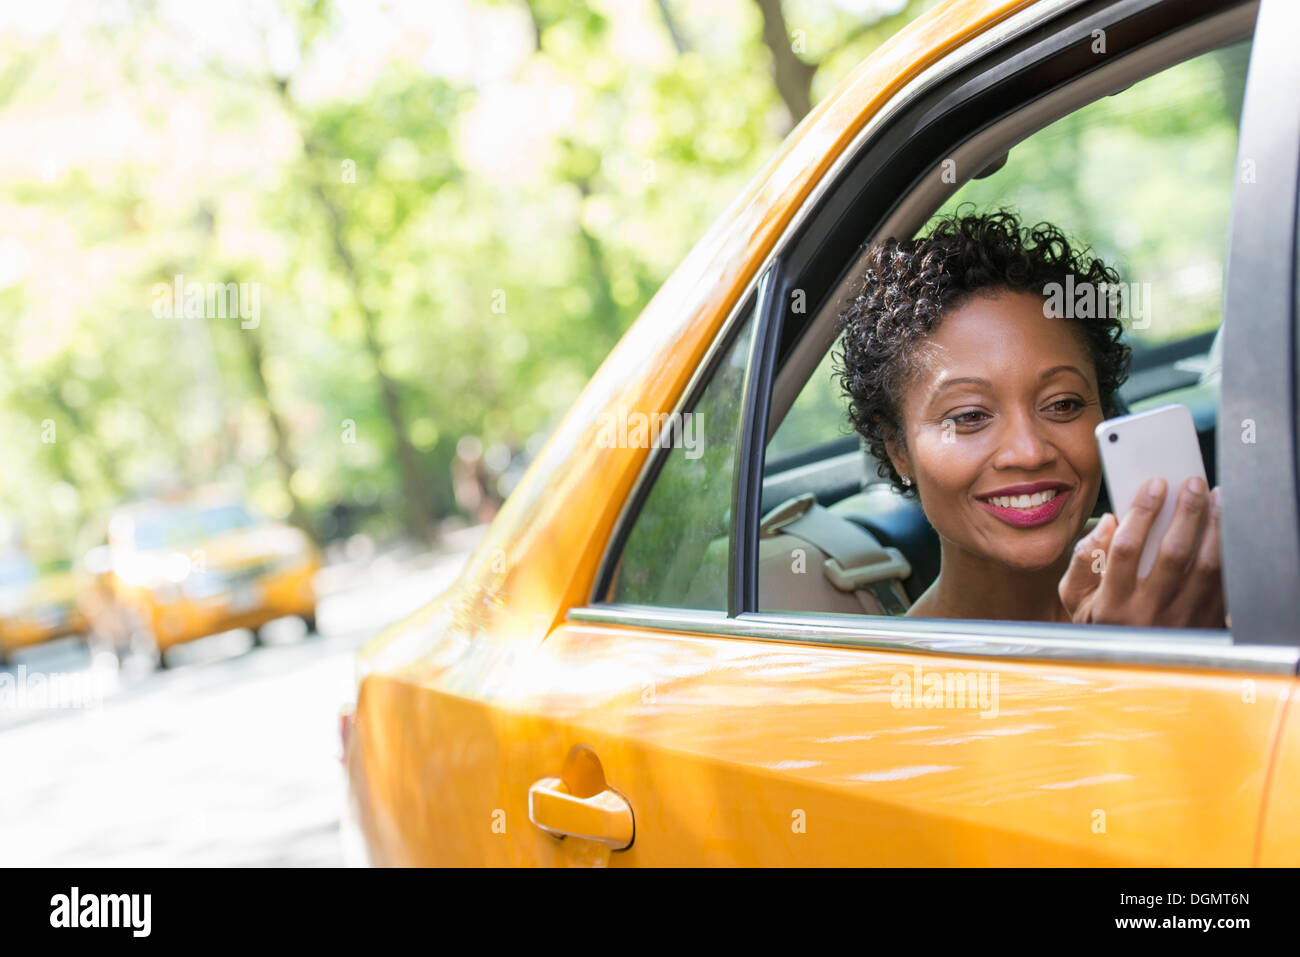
x=907, y=480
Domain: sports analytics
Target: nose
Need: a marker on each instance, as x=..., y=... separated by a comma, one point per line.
x=1024, y=443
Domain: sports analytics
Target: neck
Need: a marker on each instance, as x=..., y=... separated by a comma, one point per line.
x=970, y=586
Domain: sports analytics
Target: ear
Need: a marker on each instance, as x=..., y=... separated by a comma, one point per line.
x=898, y=456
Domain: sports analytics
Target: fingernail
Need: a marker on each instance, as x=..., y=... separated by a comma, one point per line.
x=1153, y=488
x=1196, y=485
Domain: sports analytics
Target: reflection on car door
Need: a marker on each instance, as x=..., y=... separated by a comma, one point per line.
x=742, y=751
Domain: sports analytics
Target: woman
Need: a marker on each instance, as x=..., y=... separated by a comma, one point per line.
x=974, y=395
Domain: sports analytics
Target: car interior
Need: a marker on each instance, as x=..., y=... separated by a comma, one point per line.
x=835, y=481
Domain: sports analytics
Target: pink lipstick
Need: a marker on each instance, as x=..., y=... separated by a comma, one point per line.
x=1027, y=517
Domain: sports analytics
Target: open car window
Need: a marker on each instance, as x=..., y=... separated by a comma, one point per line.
x=817, y=417
x=1143, y=177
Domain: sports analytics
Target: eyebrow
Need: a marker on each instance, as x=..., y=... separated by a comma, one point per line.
x=964, y=380
x=976, y=380
x=1048, y=373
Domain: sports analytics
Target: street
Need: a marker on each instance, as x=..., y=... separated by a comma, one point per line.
x=227, y=758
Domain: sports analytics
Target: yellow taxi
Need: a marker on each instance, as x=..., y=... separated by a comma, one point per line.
x=37, y=602
x=173, y=570
x=622, y=675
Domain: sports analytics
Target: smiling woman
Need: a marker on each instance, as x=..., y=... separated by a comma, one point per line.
x=978, y=397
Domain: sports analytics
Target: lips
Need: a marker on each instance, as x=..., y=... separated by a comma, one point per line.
x=1027, y=505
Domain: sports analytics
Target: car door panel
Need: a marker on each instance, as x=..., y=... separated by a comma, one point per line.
x=739, y=751
x=1279, y=843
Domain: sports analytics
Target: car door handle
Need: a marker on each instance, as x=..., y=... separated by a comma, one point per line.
x=605, y=817
x=580, y=803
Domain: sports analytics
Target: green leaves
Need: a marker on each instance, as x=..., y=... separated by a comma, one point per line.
x=478, y=234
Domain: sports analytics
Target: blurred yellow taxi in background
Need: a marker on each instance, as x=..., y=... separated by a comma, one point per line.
x=37, y=602
x=175, y=570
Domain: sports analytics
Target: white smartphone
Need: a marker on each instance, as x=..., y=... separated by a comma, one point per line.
x=1160, y=443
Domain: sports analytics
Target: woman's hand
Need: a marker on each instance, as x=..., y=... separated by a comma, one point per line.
x=1184, y=588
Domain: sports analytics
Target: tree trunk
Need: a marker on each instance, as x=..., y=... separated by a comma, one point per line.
x=256, y=353
x=792, y=75
x=418, y=497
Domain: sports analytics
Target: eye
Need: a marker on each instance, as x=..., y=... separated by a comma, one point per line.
x=1066, y=406
x=968, y=417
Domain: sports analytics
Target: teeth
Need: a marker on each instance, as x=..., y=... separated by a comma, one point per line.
x=1023, y=501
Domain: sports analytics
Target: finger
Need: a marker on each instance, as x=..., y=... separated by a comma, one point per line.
x=1168, y=576
x=1204, y=590
x=1131, y=535
x=1104, y=531
x=1087, y=562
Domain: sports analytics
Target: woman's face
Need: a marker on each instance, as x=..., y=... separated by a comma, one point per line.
x=998, y=423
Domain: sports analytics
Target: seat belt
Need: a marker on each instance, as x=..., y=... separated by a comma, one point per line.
x=856, y=560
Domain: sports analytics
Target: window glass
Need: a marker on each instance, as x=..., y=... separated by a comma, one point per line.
x=678, y=551
x=16, y=569
x=179, y=525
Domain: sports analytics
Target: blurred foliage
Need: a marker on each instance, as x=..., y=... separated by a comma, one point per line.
x=449, y=212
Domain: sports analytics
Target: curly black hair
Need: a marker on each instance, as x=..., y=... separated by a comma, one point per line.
x=910, y=285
